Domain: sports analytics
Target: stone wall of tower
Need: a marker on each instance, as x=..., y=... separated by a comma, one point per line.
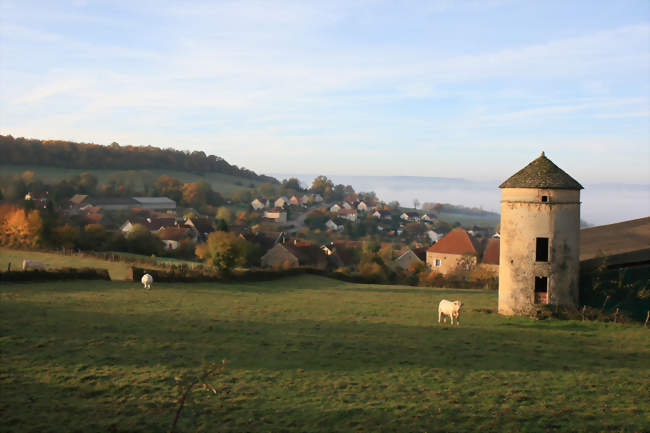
x=525, y=216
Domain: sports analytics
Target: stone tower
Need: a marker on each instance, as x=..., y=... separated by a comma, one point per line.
x=540, y=238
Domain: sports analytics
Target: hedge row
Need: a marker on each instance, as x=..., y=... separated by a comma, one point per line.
x=186, y=275
x=56, y=275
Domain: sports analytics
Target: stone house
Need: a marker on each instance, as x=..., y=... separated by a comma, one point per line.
x=455, y=248
x=277, y=215
x=258, y=204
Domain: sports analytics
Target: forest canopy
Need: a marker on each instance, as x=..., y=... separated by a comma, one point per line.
x=68, y=154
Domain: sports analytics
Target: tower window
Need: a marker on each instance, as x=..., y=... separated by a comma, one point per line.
x=541, y=290
x=541, y=251
x=544, y=198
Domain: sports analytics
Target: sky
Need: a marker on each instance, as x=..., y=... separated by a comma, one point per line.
x=464, y=89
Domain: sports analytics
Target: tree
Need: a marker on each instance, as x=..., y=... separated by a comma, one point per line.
x=66, y=236
x=322, y=185
x=292, y=184
x=224, y=251
x=87, y=183
x=20, y=227
x=93, y=237
x=169, y=187
x=199, y=193
x=225, y=214
x=242, y=196
x=266, y=190
x=141, y=241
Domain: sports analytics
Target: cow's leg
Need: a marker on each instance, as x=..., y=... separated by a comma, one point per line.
x=451, y=316
x=439, y=315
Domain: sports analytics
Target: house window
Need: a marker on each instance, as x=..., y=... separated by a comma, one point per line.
x=544, y=198
x=541, y=251
x=437, y=262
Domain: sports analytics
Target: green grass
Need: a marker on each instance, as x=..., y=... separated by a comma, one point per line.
x=223, y=183
x=308, y=354
x=117, y=270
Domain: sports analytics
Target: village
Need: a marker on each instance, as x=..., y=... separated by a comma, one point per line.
x=298, y=230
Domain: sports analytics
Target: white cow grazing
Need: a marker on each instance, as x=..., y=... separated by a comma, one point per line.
x=451, y=309
x=146, y=281
x=33, y=264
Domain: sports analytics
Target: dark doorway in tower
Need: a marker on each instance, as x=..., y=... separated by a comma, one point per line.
x=541, y=290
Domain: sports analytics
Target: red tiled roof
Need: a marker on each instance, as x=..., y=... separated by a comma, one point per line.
x=347, y=211
x=457, y=241
x=491, y=253
x=173, y=233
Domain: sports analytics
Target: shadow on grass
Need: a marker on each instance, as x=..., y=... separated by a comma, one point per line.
x=182, y=341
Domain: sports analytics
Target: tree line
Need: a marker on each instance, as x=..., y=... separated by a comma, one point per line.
x=69, y=154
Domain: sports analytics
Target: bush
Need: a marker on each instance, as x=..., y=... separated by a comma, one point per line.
x=56, y=275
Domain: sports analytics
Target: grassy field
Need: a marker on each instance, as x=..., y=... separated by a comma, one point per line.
x=117, y=270
x=223, y=183
x=307, y=354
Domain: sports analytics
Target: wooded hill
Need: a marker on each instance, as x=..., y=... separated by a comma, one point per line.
x=68, y=154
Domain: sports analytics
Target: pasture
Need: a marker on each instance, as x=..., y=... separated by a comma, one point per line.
x=117, y=270
x=308, y=354
x=223, y=183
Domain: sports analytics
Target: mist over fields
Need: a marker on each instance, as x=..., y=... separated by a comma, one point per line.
x=601, y=203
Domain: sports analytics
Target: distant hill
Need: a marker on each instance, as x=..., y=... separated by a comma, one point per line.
x=72, y=155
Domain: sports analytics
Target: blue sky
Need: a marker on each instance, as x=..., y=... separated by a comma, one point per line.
x=472, y=89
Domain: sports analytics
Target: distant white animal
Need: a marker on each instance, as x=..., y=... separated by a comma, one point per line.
x=146, y=281
x=33, y=264
x=451, y=309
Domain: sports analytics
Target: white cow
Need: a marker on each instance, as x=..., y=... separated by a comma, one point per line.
x=33, y=264
x=146, y=281
x=451, y=309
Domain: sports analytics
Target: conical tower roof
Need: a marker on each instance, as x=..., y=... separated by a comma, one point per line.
x=541, y=173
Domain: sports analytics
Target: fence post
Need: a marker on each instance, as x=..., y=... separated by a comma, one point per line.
x=646, y=319
x=616, y=316
x=584, y=309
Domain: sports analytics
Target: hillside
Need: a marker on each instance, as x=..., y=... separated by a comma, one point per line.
x=71, y=155
x=223, y=183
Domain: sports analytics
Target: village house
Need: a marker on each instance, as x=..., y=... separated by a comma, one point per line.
x=342, y=253
x=277, y=215
x=362, y=206
x=294, y=253
x=433, y=235
x=347, y=205
x=382, y=214
x=490, y=256
x=151, y=224
x=331, y=225
x=281, y=202
x=348, y=214
x=455, y=248
x=201, y=227
x=173, y=236
x=335, y=208
x=295, y=200
x=318, y=198
x=411, y=258
x=410, y=216
x=39, y=199
x=429, y=217
x=259, y=204
x=306, y=200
